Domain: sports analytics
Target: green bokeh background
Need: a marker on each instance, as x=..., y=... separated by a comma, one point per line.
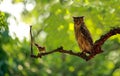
x=53, y=27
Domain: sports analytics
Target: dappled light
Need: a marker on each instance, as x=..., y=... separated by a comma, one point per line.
x=52, y=27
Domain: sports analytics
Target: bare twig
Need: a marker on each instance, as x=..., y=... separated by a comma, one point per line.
x=31, y=40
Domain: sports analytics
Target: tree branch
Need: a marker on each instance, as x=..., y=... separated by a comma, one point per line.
x=98, y=43
x=103, y=38
x=61, y=50
x=95, y=50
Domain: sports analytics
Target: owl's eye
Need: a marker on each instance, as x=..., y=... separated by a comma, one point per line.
x=75, y=20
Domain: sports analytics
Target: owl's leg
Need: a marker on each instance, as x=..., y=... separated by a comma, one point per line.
x=87, y=53
x=83, y=52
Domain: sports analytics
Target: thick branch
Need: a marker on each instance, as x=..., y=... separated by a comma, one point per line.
x=97, y=45
x=103, y=38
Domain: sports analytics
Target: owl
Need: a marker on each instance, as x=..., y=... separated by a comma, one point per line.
x=82, y=35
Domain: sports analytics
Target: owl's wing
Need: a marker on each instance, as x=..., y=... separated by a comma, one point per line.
x=86, y=33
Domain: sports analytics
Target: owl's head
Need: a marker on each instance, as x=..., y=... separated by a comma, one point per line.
x=78, y=20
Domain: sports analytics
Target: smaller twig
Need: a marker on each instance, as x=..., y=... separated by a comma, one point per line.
x=61, y=50
x=40, y=48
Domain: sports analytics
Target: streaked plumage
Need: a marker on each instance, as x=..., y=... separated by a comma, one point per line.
x=82, y=35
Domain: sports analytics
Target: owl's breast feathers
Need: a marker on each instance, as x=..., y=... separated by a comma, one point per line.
x=86, y=33
x=83, y=37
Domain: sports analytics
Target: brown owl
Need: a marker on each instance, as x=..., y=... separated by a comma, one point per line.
x=82, y=35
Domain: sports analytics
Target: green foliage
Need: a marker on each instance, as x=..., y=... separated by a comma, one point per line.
x=53, y=27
